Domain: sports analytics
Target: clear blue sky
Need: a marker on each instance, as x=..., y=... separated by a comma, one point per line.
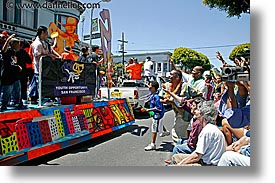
x=158, y=25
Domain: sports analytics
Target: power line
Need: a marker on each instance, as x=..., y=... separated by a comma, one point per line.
x=195, y=48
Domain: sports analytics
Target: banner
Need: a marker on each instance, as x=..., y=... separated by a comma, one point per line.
x=106, y=36
x=67, y=78
x=95, y=25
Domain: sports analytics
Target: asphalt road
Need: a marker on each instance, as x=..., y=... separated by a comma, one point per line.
x=124, y=147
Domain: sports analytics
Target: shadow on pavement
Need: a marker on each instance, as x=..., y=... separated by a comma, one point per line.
x=139, y=130
x=166, y=146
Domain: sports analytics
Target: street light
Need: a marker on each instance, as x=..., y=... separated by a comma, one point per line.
x=92, y=11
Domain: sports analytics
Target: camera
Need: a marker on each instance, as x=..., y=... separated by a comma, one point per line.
x=235, y=73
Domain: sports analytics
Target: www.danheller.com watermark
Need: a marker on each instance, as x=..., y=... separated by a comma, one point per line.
x=51, y=5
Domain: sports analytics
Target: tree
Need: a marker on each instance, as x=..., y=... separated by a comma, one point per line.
x=231, y=7
x=242, y=50
x=190, y=58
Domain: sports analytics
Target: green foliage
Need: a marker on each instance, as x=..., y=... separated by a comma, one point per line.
x=190, y=58
x=118, y=68
x=242, y=50
x=231, y=7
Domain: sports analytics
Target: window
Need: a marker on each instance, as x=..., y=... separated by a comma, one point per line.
x=10, y=12
x=159, y=67
x=27, y=17
x=165, y=69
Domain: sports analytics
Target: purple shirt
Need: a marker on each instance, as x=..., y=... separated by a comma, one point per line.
x=194, y=134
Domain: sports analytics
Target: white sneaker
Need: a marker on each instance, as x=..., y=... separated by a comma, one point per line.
x=163, y=134
x=150, y=147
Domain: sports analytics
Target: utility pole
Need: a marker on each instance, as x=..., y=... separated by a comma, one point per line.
x=122, y=50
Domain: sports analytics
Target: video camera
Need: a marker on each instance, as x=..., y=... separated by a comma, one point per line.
x=235, y=73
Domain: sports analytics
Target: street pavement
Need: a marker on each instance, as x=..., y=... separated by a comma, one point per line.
x=124, y=147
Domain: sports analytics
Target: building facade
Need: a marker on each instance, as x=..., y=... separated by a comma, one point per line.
x=24, y=21
x=160, y=60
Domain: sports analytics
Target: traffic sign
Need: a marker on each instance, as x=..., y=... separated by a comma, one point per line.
x=94, y=36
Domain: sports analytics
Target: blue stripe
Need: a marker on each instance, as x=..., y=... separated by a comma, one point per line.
x=123, y=125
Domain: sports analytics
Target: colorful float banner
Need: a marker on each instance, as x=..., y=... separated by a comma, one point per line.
x=56, y=128
x=67, y=78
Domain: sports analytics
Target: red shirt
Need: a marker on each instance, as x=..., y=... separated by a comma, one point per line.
x=67, y=56
x=135, y=70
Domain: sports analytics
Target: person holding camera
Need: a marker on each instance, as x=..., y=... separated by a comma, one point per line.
x=235, y=107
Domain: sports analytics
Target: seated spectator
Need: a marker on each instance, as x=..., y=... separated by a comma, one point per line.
x=237, y=116
x=232, y=134
x=211, y=142
x=187, y=146
x=238, y=154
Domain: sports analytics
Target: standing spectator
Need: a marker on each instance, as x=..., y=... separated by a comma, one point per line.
x=130, y=61
x=85, y=57
x=23, y=59
x=157, y=107
x=10, y=72
x=211, y=142
x=39, y=48
x=2, y=40
x=94, y=58
x=136, y=69
x=209, y=87
x=196, y=78
x=148, y=69
x=182, y=117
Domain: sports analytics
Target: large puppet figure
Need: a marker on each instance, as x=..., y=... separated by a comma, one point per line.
x=62, y=39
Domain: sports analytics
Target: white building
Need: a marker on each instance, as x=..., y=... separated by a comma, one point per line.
x=160, y=59
x=24, y=22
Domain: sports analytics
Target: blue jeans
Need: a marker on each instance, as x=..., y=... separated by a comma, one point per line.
x=8, y=90
x=183, y=148
x=33, y=86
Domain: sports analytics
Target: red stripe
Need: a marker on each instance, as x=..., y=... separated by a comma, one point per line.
x=43, y=151
x=97, y=134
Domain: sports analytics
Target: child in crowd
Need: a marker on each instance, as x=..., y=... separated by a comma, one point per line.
x=158, y=109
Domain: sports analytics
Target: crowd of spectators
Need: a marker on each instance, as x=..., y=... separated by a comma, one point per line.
x=212, y=116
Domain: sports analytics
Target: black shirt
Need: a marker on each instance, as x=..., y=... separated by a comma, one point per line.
x=10, y=71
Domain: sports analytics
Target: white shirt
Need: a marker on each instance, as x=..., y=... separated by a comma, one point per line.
x=211, y=144
x=39, y=48
x=147, y=68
